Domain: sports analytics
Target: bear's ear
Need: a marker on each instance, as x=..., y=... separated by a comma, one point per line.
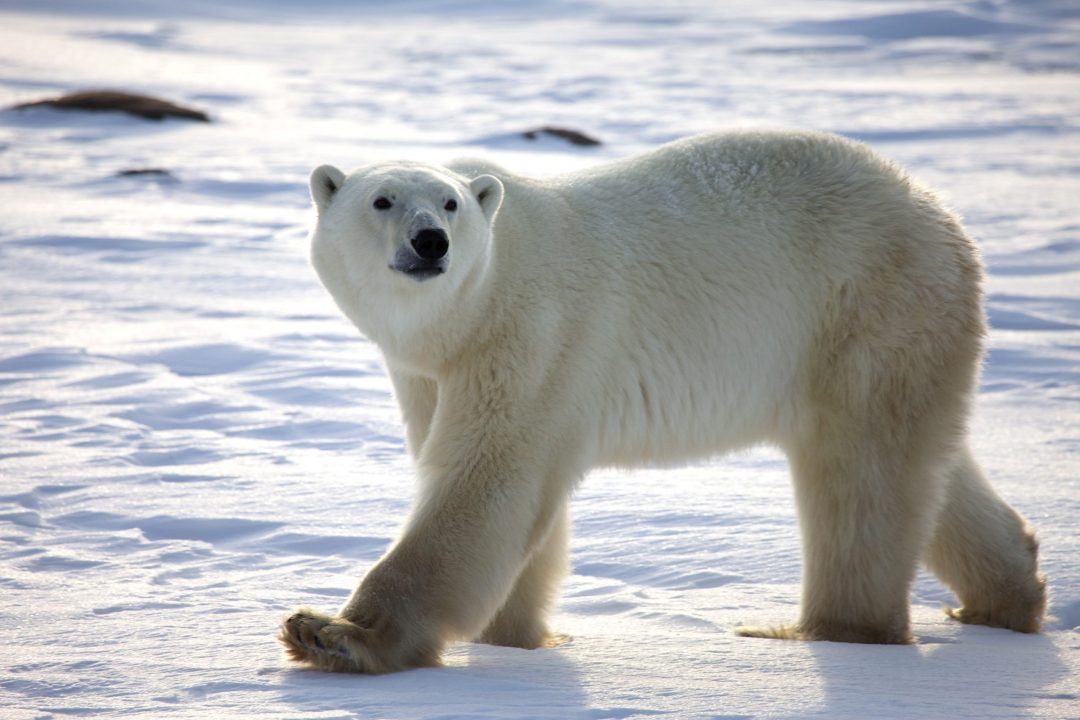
x=325, y=181
x=488, y=191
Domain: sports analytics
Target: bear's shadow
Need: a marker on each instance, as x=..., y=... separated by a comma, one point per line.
x=974, y=674
x=977, y=673
x=476, y=679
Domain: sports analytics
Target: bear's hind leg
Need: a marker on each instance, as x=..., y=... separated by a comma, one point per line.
x=985, y=552
x=866, y=500
x=522, y=620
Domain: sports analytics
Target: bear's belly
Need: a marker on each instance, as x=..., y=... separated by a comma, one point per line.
x=678, y=411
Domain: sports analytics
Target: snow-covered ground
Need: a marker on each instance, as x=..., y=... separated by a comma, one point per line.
x=193, y=441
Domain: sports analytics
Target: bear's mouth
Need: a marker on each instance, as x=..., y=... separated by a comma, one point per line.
x=420, y=271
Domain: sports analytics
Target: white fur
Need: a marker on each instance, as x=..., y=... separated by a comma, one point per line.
x=724, y=290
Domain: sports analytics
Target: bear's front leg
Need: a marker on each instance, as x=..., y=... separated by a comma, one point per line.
x=382, y=629
x=489, y=494
x=336, y=644
x=522, y=620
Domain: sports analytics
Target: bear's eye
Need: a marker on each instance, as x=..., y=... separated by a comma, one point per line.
x=382, y=203
x=450, y=206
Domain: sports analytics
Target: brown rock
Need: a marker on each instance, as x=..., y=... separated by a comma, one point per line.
x=571, y=136
x=148, y=171
x=115, y=101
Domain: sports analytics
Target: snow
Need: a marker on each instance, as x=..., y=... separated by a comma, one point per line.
x=193, y=441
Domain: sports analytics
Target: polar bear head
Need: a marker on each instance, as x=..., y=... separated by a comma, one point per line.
x=394, y=242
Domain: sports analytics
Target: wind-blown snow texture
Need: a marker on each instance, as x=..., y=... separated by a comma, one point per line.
x=193, y=441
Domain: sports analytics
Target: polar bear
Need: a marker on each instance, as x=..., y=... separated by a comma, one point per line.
x=725, y=290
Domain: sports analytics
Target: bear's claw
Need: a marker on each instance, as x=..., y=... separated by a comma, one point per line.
x=305, y=642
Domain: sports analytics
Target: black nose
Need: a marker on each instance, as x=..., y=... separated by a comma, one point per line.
x=430, y=244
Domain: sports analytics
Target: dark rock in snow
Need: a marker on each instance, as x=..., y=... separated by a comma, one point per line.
x=150, y=171
x=571, y=136
x=142, y=106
